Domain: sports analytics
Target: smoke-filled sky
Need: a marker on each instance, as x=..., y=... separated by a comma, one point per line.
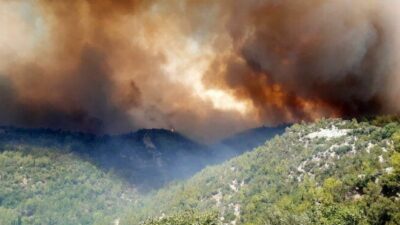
x=203, y=67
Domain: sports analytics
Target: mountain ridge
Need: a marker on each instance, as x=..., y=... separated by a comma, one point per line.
x=147, y=157
x=329, y=172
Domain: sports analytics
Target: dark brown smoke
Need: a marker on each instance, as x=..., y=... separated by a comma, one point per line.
x=205, y=68
x=306, y=59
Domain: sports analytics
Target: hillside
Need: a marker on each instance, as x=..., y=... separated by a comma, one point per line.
x=148, y=158
x=329, y=172
x=245, y=141
x=47, y=186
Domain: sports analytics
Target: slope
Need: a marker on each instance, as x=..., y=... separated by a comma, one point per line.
x=245, y=141
x=147, y=158
x=329, y=172
x=49, y=186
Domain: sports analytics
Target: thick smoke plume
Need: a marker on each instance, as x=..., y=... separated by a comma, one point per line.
x=206, y=68
x=304, y=59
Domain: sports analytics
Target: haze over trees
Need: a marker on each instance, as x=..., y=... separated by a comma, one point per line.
x=329, y=172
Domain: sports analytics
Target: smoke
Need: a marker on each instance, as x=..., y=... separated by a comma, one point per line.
x=205, y=68
x=306, y=59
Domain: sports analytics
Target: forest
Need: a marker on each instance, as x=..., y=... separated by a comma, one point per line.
x=329, y=172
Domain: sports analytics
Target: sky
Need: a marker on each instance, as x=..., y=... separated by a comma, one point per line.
x=205, y=68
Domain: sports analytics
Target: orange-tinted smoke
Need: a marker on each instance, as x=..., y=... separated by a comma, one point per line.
x=100, y=66
x=300, y=60
x=69, y=82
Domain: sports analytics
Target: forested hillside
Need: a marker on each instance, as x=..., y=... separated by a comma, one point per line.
x=329, y=172
x=48, y=187
x=147, y=158
x=244, y=141
x=59, y=177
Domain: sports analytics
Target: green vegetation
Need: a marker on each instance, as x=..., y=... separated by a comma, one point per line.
x=330, y=172
x=146, y=158
x=185, y=218
x=45, y=186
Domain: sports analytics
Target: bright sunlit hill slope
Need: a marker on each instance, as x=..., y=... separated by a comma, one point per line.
x=329, y=172
x=49, y=186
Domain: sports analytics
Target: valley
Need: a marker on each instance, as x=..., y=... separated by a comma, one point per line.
x=329, y=172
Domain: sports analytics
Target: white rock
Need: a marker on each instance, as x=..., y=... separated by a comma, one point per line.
x=234, y=186
x=334, y=132
x=381, y=160
x=389, y=170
